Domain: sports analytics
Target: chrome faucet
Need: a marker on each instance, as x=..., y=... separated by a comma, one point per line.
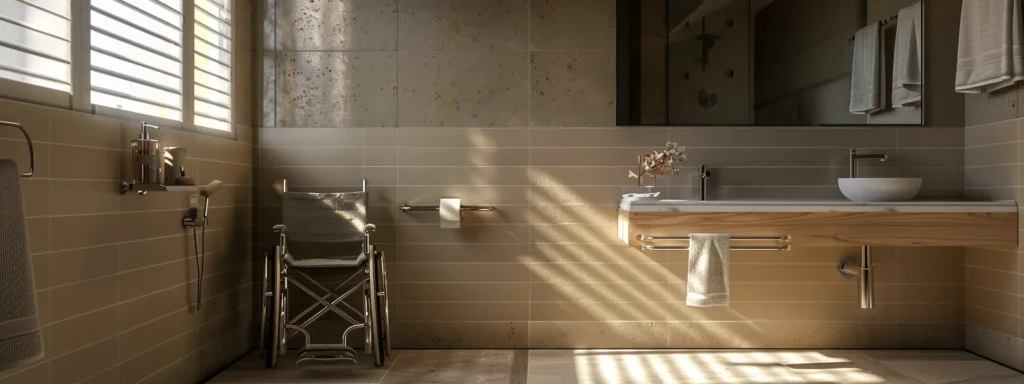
x=704, y=174
x=854, y=156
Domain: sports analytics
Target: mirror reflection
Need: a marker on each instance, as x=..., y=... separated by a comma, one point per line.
x=771, y=62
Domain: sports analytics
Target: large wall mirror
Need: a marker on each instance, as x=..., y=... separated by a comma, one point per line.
x=770, y=62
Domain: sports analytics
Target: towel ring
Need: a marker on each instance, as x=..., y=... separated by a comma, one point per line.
x=31, y=150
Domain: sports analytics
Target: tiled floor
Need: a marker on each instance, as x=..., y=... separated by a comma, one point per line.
x=642, y=366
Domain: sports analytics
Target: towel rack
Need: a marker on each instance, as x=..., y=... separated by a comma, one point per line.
x=782, y=243
x=883, y=23
x=31, y=150
x=427, y=208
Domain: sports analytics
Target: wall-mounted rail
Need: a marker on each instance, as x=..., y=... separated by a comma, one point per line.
x=435, y=208
x=31, y=150
x=781, y=243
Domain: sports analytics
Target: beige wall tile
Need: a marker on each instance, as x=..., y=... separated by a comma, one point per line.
x=77, y=265
x=77, y=299
x=77, y=197
x=598, y=335
x=83, y=363
x=463, y=25
x=73, y=334
x=464, y=89
x=70, y=232
x=572, y=89
x=75, y=128
x=451, y=334
x=572, y=24
x=34, y=118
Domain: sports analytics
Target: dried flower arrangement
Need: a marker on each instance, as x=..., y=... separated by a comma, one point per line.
x=657, y=163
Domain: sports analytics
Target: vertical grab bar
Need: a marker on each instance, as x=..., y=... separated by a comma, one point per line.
x=31, y=150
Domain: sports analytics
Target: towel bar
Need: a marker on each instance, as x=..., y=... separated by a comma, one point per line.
x=31, y=150
x=427, y=208
x=642, y=237
x=736, y=248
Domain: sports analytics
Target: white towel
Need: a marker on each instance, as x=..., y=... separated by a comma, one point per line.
x=989, y=52
x=867, y=80
x=707, y=281
x=907, y=58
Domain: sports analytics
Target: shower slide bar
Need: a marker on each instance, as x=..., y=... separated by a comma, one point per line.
x=31, y=150
x=783, y=243
x=436, y=208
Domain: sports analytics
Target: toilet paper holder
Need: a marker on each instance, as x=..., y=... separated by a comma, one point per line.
x=436, y=208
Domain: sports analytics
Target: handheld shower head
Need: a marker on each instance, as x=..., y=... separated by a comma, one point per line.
x=210, y=189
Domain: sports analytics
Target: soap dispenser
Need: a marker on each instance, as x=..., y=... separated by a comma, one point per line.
x=146, y=163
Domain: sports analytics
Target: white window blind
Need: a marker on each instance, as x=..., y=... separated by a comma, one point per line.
x=35, y=42
x=136, y=56
x=212, y=74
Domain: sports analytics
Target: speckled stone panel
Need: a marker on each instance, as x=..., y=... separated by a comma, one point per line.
x=462, y=89
x=572, y=25
x=332, y=25
x=336, y=89
x=462, y=25
x=572, y=89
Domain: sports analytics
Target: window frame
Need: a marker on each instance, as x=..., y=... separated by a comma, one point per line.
x=79, y=98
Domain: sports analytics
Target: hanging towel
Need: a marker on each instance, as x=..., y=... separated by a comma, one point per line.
x=20, y=340
x=989, y=52
x=907, y=73
x=867, y=81
x=707, y=280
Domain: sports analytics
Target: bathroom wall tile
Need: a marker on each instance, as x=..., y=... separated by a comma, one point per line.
x=311, y=156
x=465, y=311
x=469, y=157
x=68, y=267
x=82, y=231
x=74, y=197
x=84, y=363
x=994, y=154
x=268, y=90
x=213, y=148
x=365, y=25
x=470, y=273
x=481, y=292
x=336, y=89
x=838, y=137
x=77, y=299
x=450, y=334
x=18, y=151
x=147, y=336
x=474, y=137
x=311, y=137
x=462, y=89
x=35, y=194
x=462, y=25
x=133, y=313
x=598, y=335
x=75, y=128
x=572, y=25
x=136, y=368
x=474, y=253
x=572, y=89
x=986, y=108
x=477, y=176
x=70, y=335
x=71, y=162
x=34, y=118
x=943, y=103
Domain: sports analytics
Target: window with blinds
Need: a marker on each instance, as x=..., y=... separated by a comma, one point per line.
x=136, y=56
x=212, y=88
x=35, y=42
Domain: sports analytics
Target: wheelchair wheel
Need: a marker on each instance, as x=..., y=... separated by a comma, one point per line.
x=263, y=303
x=374, y=320
x=272, y=333
x=385, y=316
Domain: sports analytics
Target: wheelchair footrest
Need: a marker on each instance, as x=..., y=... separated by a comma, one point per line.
x=326, y=353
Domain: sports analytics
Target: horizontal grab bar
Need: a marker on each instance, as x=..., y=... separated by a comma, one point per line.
x=31, y=150
x=736, y=248
x=738, y=238
x=435, y=208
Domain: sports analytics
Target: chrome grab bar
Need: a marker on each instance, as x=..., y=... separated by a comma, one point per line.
x=31, y=150
x=783, y=243
x=427, y=208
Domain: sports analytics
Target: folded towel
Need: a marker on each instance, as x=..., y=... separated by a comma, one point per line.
x=907, y=58
x=867, y=89
x=707, y=281
x=989, y=52
x=20, y=339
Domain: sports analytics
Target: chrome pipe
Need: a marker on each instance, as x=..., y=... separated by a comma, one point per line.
x=867, y=279
x=436, y=208
x=704, y=175
x=784, y=247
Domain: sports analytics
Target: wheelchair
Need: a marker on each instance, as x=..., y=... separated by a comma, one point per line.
x=326, y=219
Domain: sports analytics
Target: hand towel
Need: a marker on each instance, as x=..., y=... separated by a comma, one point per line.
x=989, y=52
x=707, y=280
x=907, y=76
x=867, y=89
x=20, y=340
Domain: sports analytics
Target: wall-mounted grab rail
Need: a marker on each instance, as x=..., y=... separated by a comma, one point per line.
x=428, y=208
x=31, y=150
x=782, y=243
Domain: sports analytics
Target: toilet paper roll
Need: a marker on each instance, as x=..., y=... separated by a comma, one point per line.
x=451, y=213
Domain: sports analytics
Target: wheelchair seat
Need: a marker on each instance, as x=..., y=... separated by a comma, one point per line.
x=326, y=263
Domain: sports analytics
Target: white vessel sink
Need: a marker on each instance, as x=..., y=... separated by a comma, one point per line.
x=867, y=189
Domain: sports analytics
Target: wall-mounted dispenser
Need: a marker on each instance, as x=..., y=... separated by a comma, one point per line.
x=147, y=158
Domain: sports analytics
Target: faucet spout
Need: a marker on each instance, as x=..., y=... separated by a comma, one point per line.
x=854, y=156
x=704, y=175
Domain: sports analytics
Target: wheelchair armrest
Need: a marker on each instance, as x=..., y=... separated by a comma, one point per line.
x=369, y=228
x=280, y=228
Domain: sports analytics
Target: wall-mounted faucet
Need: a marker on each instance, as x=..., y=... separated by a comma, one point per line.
x=705, y=175
x=854, y=156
